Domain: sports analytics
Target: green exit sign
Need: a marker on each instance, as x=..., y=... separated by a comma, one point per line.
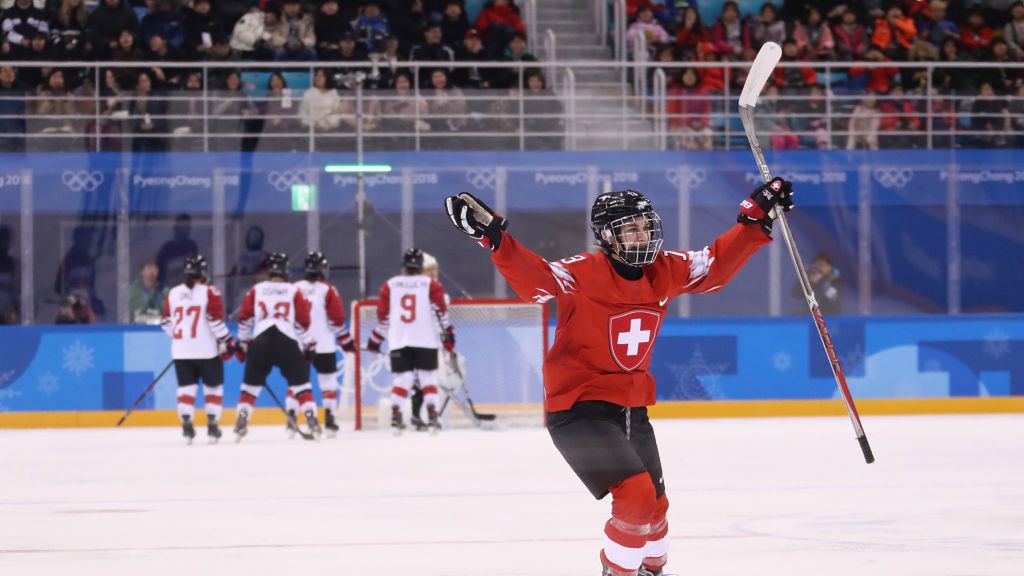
x=303, y=197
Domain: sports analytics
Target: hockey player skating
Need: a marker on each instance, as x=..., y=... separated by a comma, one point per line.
x=193, y=317
x=327, y=331
x=430, y=268
x=610, y=308
x=273, y=329
x=410, y=307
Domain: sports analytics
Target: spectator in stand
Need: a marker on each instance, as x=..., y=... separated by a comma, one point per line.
x=160, y=51
x=67, y=30
x=793, y=81
x=765, y=28
x=330, y=25
x=250, y=39
x=990, y=116
x=430, y=50
x=915, y=80
x=202, y=29
x=231, y=113
x=649, y=28
x=18, y=25
x=164, y=19
x=689, y=113
x=321, y=105
x=876, y=79
x=12, y=111
x=349, y=52
x=219, y=53
x=127, y=51
x=280, y=116
x=454, y=23
x=148, y=114
x=39, y=51
x=75, y=282
x=1013, y=32
x=293, y=38
x=75, y=309
x=850, y=38
x=58, y=108
x=543, y=122
x=409, y=21
x=147, y=296
x=497, y=23
x=899, y=115
x=894, y=34
x=1003, y=78
x=712, y=80
x=690, y=34
x=446, y=110
x=372, y=28
x=863, y=128
x=187, y=112
x=386, y=67
x=813, y=37
x=170, y=259
x=772, y=122
x=403, y=112
x=473, y=51
x=808, y=119
x=728, y=33
x=937, y=29
x=106, y=114
x=960, y=80
x=107, y=22
x=516, y=52
x=975, y=34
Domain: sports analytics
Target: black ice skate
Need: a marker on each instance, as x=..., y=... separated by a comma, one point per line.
x=187, y=429
x=432, y=420
x=396, y=420
x=330, y=424
x=213, y=432
x=314, y=426
x=292, y=425
x=418, y=423
x=241, y=426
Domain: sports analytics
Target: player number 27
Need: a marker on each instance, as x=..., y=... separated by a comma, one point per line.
x=179, y=314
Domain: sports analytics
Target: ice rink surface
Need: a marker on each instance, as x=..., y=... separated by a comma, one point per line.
x=775, y=496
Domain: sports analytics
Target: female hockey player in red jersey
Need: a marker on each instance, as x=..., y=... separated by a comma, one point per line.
x=610, y=308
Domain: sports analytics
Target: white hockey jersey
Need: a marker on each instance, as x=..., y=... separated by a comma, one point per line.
x=409, y=312
x=194, y=319
x=277, y=304
x=326, y=315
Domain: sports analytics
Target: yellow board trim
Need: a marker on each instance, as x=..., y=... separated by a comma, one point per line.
x=703, y=409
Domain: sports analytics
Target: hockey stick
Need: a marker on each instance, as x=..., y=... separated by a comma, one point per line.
x=454, y=361
x=145, y=392
x=291, y=421
x=760, y=71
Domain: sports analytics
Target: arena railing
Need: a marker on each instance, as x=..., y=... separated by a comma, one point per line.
x=647, y=111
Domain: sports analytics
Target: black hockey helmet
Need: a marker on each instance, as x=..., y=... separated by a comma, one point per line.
x=316, y=264
x=625, y=224
x=196, y=267
x=413, y=259
x=277, y=265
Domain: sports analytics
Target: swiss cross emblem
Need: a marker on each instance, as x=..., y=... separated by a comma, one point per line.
x=631, y=335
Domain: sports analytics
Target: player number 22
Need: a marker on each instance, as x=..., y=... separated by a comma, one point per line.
x=180, y=314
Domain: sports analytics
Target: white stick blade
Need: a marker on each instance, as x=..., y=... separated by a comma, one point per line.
x=760, y=71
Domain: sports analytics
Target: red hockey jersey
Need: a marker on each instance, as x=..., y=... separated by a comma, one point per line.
x=607, y=324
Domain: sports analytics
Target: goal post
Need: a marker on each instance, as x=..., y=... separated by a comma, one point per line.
x=501, y=345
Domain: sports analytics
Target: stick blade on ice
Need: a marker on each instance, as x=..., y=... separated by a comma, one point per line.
x=760, y=71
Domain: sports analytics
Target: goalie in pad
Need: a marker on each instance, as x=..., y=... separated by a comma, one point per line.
x=193, y=317
x=597, y=381
x=273, y=331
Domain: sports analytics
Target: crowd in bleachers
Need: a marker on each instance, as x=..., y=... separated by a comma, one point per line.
x=336, y=37
x=877, y=106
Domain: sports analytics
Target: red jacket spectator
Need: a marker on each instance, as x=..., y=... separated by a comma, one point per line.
x=880, y=80
x=729, y=31
x=793, y=77
x=691, y=33
x=898, y=115
x=633, y=6
x=499, y=12
x=851, y=38
x=975, y=35
x=688, y=105
x=895, y=30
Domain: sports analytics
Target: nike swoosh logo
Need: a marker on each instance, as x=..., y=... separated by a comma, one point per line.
x=662, y=302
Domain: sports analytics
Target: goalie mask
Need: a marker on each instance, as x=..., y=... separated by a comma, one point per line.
x=277, y=265
x=625, y=224
x=316, y=264
x=196, y=267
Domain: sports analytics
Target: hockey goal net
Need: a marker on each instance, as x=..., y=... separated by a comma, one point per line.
x=500, y=347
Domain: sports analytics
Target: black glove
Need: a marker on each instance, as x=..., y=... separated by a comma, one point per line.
x=347, y=343
x=476, y=219
x=373, y=345
x=758, y=208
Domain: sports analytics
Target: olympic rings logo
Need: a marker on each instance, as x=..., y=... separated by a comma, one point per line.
x=286, y=179
x=694, y=176
x=893, y=177
x=371, y=370
x=481, y=178
x=82, y=180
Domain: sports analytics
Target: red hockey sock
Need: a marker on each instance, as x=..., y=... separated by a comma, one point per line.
x=626, y=533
